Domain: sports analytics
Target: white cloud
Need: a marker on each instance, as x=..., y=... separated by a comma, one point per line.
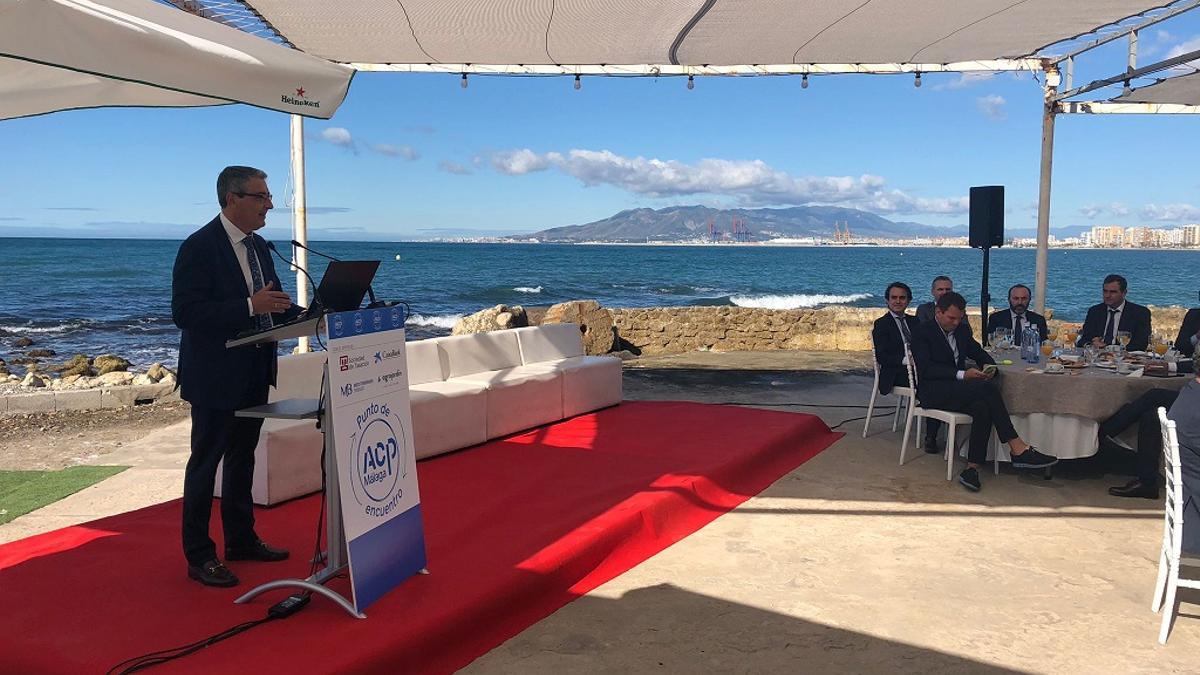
x=1181, y=49
x=454, y=168
x=965, y=80
x=1170, y=212
x=1091, y=211
x=992, y=106
x=339, y=136
x=750, y=182
x=406, y=151
x=1114, y=210
x=1163, y=36
x=1118, y=209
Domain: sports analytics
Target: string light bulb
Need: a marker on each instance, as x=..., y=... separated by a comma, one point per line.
x=917, y=81
x=578, y=84
x=463, y=83
x=691, y=82
x=804, y=81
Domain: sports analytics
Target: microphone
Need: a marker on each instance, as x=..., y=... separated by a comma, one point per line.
x=370, y=291
x=316, y=293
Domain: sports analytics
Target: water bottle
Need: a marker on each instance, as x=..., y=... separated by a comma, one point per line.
x=1034, y=338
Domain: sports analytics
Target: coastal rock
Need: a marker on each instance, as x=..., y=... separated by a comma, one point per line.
x=115, y=378
x=33, y=380
x=599, y=334
x=109, y=363
x=76, y=365
x=4, y=371
x=158, y=371
x=22, y=342
x=499, y=317
x=143, y=379
x=40, y=353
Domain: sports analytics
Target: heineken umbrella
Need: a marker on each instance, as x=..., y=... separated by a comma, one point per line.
x=68, y=54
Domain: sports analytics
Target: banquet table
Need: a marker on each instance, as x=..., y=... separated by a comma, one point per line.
x=1061, y=413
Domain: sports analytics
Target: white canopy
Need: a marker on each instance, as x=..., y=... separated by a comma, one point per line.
x=1182, y=90
x=684, y=32
x=64, y=54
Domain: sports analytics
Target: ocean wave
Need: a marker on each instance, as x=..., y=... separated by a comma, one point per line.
x=795, y=301
x=438, y=320
x=528, y=289
x=55, y=328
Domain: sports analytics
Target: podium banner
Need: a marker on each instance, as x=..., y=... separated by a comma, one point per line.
x=373, y=446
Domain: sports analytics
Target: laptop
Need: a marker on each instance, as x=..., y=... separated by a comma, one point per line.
x=341, y=290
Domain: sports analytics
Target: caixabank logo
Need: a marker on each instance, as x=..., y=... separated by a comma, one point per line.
x=380, y=461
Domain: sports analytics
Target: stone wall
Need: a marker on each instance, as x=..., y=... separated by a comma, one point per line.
x=669, y=330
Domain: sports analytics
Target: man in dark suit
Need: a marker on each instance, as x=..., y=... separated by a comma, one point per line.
x=892, y=336
x=941, y=286
x=1143, y=411
x=1189, y=333
x=944, y=382
x=224, y=283
x=1115, y=314
x=1017, y=316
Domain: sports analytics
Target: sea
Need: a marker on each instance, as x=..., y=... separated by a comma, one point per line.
x=94, y=296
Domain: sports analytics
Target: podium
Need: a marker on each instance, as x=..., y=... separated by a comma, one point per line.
x=334, y=557
x=372, y=506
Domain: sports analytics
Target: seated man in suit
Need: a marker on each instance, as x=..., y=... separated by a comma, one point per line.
x=1143, y=411
x=941, y=286
x=1017, y=316
x=1185, y=412
x=941, y=349
x=1189, y=333
x=1116, y=314
x=892, y=336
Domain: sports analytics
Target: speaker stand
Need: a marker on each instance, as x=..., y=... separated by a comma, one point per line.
x=984, y=296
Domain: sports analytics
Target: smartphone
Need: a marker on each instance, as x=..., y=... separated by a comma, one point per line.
x=990, y=369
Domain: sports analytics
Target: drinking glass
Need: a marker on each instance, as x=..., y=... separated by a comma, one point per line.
x=1047, y=348
x=1123, y=338
x=1090, y=353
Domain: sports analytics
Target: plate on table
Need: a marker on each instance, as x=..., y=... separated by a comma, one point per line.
x=1138, y=353
x=1075, y=365
x=1107, y=365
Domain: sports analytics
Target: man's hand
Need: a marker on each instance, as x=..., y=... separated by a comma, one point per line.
x=1098, y=342
x=270, y=301
x=975, y=374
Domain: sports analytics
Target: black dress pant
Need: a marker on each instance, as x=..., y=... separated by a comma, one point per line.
x=981, y=400
x=218, y=434
x=1143, y=411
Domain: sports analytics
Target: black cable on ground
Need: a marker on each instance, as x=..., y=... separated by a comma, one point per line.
x=157, y=658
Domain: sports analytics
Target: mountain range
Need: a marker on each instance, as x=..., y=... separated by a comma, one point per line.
x=691, y=223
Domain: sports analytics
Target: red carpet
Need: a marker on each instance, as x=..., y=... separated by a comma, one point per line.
x=515, y=529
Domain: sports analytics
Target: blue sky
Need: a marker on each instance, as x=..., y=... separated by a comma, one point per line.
x=414, y=156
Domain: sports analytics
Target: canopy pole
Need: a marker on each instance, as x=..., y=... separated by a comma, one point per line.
x=1049, y=109
x=299, y=219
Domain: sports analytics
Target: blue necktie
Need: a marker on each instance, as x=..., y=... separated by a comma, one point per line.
x=262, y=321
x=1108, y=330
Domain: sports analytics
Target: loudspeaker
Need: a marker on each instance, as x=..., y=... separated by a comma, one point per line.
x=987, y=216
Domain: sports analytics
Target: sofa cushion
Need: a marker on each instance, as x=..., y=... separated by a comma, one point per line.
x=510, y=376
x=549, y=342
x=299, y=376
x=426, y=362
x=479, y=352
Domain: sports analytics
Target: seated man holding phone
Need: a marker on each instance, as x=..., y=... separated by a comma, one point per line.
x=941, y=348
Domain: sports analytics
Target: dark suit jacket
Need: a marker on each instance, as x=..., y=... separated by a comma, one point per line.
x=1135, y=319
x=1004, y=319
x=937, y=369
x=1191, y=323
x=925, y=311
x=208, y=303
x=889, y=350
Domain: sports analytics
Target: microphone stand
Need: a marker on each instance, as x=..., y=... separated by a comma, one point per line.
x=374, y=304
x=316, y=293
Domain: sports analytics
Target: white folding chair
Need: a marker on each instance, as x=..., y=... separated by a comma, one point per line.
x=905, y=397
x=1172, y=544
x=951, y=419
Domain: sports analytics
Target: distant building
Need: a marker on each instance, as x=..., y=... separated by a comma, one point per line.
x=1190, y=235
x=1108, y=236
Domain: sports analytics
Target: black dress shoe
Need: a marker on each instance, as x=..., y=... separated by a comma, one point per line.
x=212, y=573
x=1135, y=488
x=259, y=550
x=931, y=446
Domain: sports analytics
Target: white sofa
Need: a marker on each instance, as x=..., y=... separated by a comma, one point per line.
x=464, y=390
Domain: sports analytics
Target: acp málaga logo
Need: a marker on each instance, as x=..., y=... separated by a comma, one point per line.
x=380, y=460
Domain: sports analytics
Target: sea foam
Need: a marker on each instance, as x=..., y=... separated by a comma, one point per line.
x=528, y=289
x=438, y=320
x=796, y=301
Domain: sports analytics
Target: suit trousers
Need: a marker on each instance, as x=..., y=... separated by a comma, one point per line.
x=1143, y=411
x=981, y=400
x=218, y=434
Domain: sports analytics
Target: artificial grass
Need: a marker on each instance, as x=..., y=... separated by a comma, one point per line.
x=25, y=491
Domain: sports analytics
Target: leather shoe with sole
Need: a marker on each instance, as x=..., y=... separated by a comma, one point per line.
x=931, y=446
x=212, y=573
x=259, y=550
x=1135, y=488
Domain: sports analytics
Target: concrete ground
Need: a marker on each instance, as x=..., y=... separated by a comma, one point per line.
x=850, y=563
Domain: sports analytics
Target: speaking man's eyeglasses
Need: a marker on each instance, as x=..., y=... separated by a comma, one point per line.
x=261, y=196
